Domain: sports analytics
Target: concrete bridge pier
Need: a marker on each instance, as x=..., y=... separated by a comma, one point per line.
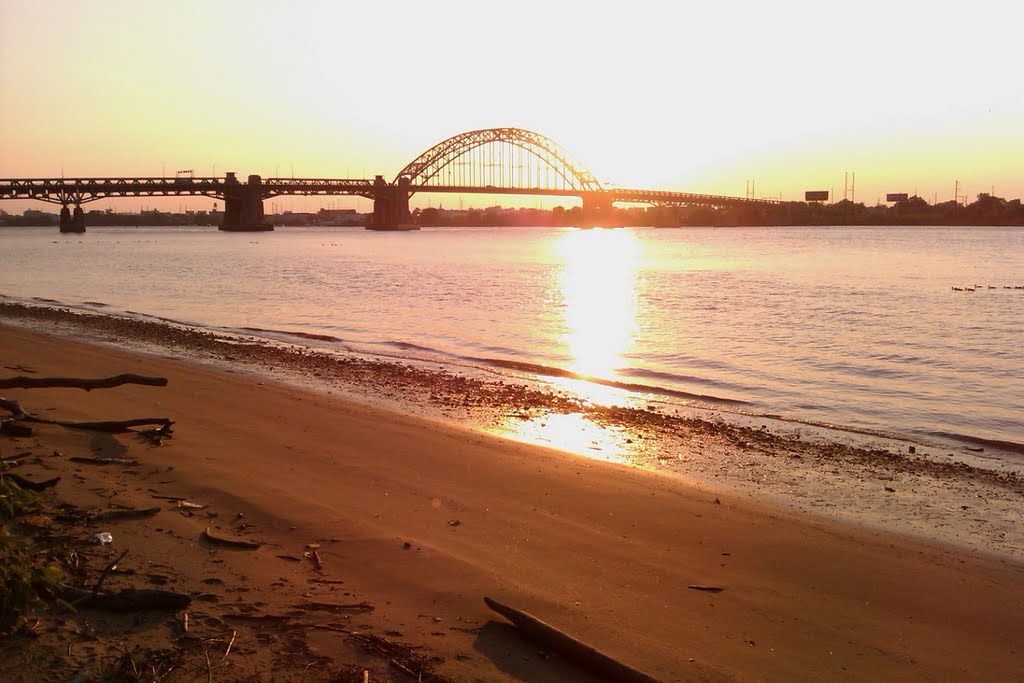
x=243, y=205
x=391, y=206
x=597, y=210
x=72, y=221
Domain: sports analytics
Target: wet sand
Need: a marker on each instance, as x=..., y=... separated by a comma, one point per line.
x=421, y=519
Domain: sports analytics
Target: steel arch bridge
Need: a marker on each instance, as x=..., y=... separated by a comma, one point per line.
x=499, y=158
x=509, y=161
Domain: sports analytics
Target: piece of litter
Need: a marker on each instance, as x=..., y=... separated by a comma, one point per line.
x=102, y=538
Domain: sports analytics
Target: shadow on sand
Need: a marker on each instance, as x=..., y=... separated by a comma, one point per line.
x=515, y=655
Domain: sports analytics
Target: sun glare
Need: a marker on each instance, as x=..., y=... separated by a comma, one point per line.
x=574, y=433
x=598, y=286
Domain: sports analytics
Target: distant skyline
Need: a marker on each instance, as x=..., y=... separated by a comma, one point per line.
x=908, y=96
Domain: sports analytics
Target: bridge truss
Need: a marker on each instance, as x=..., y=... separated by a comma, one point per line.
x=499, y=159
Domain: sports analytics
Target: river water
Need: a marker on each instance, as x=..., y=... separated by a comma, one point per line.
x=858, y=327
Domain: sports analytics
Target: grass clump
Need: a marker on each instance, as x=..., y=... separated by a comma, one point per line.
x=27, y=574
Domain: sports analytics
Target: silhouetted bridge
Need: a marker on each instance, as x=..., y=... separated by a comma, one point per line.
x=508, y=161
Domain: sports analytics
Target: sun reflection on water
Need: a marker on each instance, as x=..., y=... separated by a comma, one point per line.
x=598, y=284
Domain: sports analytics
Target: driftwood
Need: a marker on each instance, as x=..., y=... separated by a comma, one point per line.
x=113, y=515
x=233, y=542
x=575, y=650
x=22, y=382
x=15, y=459
x=104, y=461
x=127, y=600
x=32, y=485
x=12, y=406
x=112, y=426
x=335, y=608
x=12, y=428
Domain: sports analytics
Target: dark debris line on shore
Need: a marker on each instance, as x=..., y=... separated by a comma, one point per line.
x=399, y=382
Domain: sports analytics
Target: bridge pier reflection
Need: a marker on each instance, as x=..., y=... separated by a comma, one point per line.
x=243, y=205
x=72, y=221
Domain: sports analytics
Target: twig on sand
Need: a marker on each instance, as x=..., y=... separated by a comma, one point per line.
x=105, y=574
x=228, y=650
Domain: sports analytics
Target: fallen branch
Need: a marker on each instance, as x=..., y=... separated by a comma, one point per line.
x=15, y=459
x=32, y=485
x=112, y=426
x=553, y=639
x=127, y=600
x=22, y=382
x=104, y=461
x=234, y=542
x=336, y=608
x=111, y=515
x=12, y=428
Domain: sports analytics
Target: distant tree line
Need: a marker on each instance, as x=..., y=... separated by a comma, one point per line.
x=986, y=210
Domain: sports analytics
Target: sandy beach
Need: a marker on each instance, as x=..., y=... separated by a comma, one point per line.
x=419, y=520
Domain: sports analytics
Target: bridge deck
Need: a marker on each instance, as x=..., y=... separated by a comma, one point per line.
x=80, y=190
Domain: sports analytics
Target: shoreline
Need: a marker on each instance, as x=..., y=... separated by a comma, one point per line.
x=603, y=550
x=881, y=482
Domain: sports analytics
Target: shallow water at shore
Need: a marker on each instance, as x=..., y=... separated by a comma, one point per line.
x=852, y=327
x=947, y=494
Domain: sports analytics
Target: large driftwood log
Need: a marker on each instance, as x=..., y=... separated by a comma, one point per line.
x=23, y=382
x=575, y=650
x=109, y=425
x=127, y=600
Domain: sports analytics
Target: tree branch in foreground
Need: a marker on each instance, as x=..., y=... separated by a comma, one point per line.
x=23, y=382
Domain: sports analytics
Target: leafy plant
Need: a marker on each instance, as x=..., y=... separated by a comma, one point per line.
x=27, y=575
x=25, y=579
x=14, y=500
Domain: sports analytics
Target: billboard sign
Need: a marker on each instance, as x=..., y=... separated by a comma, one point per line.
x=896, y=197
x=816, y=196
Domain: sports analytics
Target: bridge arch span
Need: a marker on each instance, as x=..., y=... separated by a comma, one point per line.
x=499, y=157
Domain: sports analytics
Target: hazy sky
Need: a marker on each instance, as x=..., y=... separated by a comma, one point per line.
x=911, y=96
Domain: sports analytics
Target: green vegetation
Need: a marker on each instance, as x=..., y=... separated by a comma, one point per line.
x=28, y=575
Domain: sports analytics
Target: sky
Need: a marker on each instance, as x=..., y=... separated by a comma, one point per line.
x=902, y=95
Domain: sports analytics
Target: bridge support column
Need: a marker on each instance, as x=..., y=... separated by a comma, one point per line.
x=598, y=210
x=391, y=206
x=243, y=206
x=72, y=221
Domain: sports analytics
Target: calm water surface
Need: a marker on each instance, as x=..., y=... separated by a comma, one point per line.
x=857, y=327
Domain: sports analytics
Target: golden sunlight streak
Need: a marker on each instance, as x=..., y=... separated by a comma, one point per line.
x=574, y=433
x=598, y=288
